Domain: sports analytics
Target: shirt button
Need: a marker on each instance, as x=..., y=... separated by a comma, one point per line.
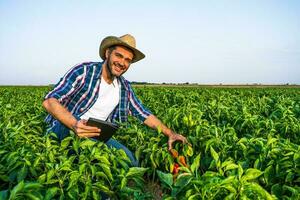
x=81, y=109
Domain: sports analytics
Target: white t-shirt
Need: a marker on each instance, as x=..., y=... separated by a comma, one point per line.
x=108, y=99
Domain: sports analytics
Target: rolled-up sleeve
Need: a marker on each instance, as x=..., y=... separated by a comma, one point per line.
x=67, y=84
x=136, y=108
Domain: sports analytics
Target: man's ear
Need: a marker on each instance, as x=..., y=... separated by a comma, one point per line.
x=107, y=53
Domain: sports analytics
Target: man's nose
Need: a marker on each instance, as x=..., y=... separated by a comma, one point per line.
x=122, y=62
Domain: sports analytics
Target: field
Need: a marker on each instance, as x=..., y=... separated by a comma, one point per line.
x=245, y=145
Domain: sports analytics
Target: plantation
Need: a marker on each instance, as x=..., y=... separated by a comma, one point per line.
x=245, y=145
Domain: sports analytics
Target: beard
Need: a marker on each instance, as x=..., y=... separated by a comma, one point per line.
x=110, y=64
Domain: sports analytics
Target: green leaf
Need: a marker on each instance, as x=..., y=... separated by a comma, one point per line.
x=42, y=178
x=189, y=151
x=154, y=165
x=102, y=159
x=229, y=180
x=196, y=164
x=169, y=198
x=185, y=169
x=4, y=178
x=106, y=170
x=194, y=197
x=50, y=174
x=76, y=144
x=183, y=180
x=3, y=194
x=19, y=187
x=123, y=164
x=251, y=174
x=294, y=191
x=230, y=188
x=28, y=163
x=276, y=189
x=82, y=168
x=74, y=177
x=240, y=171
x=129, y=190
x=51, y=192
x=139, y=181
x=51, y=156
x=73, y=193
x=289, y=177
x=231, y=166
x=122, y=154
x=31, y=196
x=65, y=142
x=103, y=188
x=296, y=157
x=214, y=154
x=231, y=196
x=52, y=181
x=165, y=178
x=32, y=186
x=102, y=175
x=22, y=173
x=123, y=182
x=95, y=195
x=87, y=189
x=33, y=171
x=65, y=168
x=257, y=164
x=256, y=188
x=226, y=162
x=190, y=192
x=271, y=140
x=87, y=143
x=136, y=171
x=93, y=170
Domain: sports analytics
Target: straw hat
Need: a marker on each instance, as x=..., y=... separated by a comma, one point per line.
x=126, y=41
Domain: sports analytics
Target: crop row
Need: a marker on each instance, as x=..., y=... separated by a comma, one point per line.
x=245, y=145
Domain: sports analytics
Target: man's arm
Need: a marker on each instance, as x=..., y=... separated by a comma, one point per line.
x=153, y=122
x=144, y=115
x=59, y=112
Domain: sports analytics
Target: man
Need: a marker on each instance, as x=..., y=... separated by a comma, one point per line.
x=98, y=90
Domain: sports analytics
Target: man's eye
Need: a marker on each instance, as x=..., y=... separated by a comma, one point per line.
x=118, y=55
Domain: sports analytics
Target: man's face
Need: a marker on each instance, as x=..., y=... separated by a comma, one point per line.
x=119, y=60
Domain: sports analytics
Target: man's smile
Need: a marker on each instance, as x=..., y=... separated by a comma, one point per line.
x=118, y=67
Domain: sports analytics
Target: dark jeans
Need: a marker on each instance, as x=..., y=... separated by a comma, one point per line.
x=62, y=132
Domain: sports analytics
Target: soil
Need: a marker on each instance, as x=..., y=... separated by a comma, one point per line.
x=155, y=189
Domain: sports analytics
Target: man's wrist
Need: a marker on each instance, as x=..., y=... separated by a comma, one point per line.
x=74, y=126
x=169, y=132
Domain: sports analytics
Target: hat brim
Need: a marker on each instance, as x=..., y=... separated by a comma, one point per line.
x=112, y=41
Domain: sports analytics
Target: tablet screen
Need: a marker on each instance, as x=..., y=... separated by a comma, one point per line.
x=107, y=128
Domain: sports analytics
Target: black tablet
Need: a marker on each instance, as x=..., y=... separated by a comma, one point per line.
x=107, y=128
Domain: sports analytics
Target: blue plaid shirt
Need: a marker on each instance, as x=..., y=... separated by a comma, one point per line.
x=79, y=88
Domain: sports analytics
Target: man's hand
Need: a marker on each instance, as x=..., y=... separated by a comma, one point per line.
x=175, y=137
x=83, y=130
x=153, y=122
x=54, y=107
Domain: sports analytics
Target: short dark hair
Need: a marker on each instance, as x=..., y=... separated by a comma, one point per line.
x=111, y=48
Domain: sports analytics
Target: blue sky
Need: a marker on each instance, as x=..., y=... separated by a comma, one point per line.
x=206, y=42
